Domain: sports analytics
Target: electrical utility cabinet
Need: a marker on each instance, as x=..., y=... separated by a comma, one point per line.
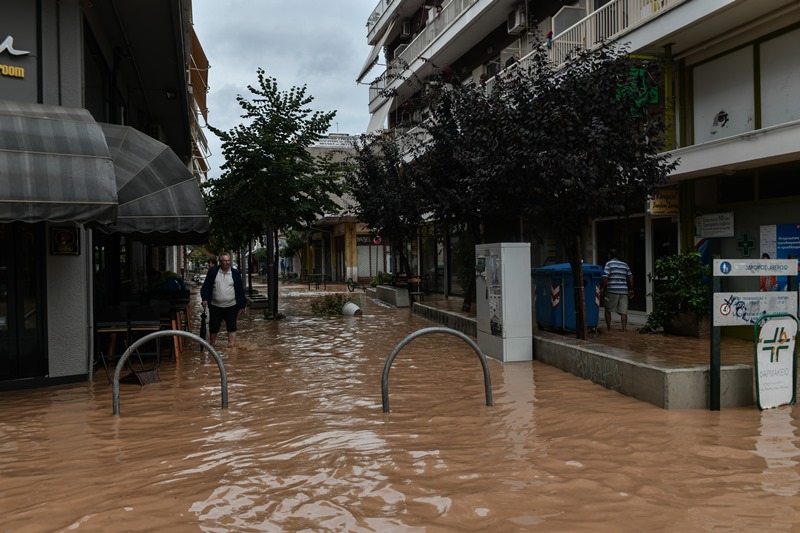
x=503, y=291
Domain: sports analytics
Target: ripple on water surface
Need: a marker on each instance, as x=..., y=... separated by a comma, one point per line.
x=305, y=445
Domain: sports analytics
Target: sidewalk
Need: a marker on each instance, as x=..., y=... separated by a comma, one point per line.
x=676, y=349
x=666, y=370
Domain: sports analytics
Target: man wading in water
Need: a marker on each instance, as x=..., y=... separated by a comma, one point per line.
x=223, y=294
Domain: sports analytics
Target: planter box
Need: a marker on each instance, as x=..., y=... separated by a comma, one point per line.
x=688, y=325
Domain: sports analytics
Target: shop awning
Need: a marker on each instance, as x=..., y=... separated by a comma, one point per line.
x=374, y=54
x=377, y=121
x=54, y=166
x=159, y=199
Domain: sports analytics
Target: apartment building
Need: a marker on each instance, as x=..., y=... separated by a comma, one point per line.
x=730, y=98
x=100, y=158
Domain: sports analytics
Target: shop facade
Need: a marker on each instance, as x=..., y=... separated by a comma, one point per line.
x=96, y=172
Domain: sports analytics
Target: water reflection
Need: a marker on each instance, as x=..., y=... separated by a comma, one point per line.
x=305, y=445
x=776, y=444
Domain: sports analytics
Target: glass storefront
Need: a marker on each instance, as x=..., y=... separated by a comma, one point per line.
x=22, y=331
x=627, y=236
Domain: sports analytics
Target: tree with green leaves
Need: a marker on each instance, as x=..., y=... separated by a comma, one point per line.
x=593, y=149
x=384, y=186
x=560, y=147
x=270, y=181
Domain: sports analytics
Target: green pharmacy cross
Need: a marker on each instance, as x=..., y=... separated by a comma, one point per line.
x=780, y=341
x=746, y=244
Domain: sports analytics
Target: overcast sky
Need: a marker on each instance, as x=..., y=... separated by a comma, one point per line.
x=318, y=43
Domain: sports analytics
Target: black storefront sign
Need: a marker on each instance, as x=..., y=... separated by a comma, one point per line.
x=64, y=241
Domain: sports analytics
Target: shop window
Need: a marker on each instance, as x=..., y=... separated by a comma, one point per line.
x=779, y=182
x=739, y=187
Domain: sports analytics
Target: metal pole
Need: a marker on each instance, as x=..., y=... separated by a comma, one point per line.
x=714, y=371
x=167, y=333
x=487, y=381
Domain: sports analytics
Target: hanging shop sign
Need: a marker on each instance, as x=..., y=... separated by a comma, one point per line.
x=64, y=241
x=664, y=203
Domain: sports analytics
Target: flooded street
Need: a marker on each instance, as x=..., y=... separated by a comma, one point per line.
x=305, y=445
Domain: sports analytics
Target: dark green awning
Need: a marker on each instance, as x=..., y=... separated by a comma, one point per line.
x=159, y=198
x=54, y=166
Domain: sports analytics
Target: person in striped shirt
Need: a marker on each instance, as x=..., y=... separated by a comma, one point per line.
x=617, y=286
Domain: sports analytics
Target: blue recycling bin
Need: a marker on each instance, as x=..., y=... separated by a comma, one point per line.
x=555, y=296
x=549, y=282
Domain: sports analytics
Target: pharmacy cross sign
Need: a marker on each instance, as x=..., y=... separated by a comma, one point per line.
x=780, y=341
x=746, y=244
x=775, y=360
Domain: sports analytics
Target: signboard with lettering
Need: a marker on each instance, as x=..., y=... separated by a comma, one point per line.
x=20, y=53
x=776, y=362
x=743, y=308
x=755, y=267
x=370, y=240
x=746, y=308
x=664, y=203
x=716, y=225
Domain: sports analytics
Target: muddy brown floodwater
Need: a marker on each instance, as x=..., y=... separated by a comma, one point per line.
x=305, y=445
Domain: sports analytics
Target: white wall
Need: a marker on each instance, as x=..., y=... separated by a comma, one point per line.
x=68, y=310
x=780, y=79
x=724, y=88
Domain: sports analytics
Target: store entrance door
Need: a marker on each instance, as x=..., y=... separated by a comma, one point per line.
x=626, y=236
x=664, y=236
x=22, y=330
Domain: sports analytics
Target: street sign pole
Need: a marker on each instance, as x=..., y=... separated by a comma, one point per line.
x=715, y=364
x=745, y=308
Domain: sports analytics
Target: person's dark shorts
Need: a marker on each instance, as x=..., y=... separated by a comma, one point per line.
x=220, y=314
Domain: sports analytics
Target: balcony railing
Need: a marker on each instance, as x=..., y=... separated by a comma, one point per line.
x=607, y=23
x=421, y=42
x=431, y=32
x=375, y=16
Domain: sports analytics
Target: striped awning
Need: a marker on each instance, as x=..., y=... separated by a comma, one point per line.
x=159, y=198
x=54, y=166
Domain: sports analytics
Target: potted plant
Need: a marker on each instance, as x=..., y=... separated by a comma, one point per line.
x=681, y=296
x=335, y=304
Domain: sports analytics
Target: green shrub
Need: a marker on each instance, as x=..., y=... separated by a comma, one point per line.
x=682, y=284
x=383, y=278
x=330, y=304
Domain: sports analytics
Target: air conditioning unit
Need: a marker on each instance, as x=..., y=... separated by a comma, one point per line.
x=406, y=31
x=399, y=50
x=517, y=21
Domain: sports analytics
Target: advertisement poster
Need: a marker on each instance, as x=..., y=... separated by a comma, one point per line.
x=779, y=241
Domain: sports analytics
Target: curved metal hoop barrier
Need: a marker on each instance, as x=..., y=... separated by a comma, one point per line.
x=487, y=380
x=168, y=333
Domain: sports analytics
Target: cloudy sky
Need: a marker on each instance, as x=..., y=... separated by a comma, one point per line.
x=318, y=43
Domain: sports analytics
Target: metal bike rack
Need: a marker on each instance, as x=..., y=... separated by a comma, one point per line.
x=167, y=333
x=487, y=381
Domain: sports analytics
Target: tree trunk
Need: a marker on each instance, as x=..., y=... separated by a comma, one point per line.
x=250, y=267
x=575, y=255
x=272, y=271
x=405, y=266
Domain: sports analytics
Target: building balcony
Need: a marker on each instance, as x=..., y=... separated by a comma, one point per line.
x=611, y=22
